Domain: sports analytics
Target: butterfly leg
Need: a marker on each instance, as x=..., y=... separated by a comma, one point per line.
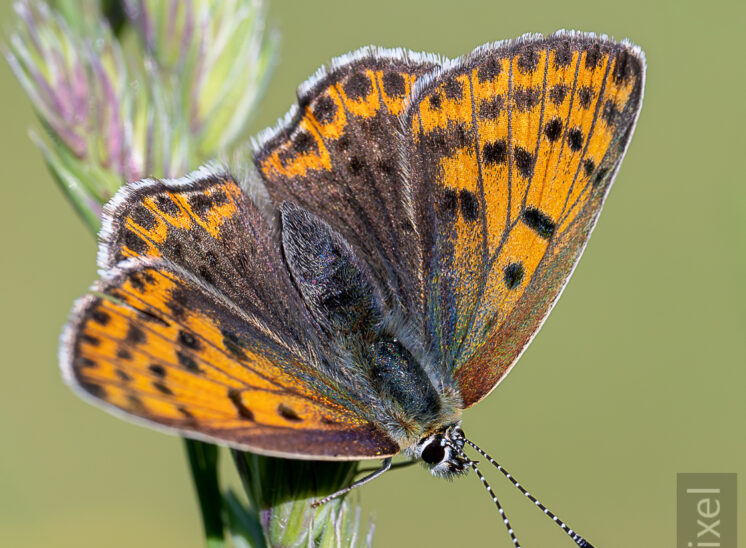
x=385, y=467
x=403, y=464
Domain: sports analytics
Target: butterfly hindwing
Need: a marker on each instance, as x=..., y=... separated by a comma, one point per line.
x=337, y=155
x=203, y=331
x=511, y=152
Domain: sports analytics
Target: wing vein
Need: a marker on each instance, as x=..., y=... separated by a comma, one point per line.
x=588, y=139
x=587, y=142
x=510, y=151
x=569, y=111
x=539, y=133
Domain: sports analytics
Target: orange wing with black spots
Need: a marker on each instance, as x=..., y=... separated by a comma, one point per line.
x=198, y=328
x=337, y=155
x=155, y=343
x=512, y=151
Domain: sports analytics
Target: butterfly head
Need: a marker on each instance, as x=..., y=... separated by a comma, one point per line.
x=442, y=451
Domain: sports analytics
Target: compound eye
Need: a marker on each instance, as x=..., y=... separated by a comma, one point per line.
x=433, y=453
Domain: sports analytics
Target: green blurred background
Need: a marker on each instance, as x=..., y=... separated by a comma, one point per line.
x=638, y=374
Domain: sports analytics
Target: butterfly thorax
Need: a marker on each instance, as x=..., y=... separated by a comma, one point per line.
x=354, y=318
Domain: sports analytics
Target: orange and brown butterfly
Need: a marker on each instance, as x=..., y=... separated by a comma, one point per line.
x=406, y=231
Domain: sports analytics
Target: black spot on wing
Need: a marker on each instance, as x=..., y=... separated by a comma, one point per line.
x=142, y=216
x=600, y=176
x=185, y=412
x=438, y=143
x=448, y=203
x=459, y=136
x=357, y=165
x=200, y=204
x=151, y=317
x=205, y=274
x=610, y=113
x=233, y=344
x=388, y=167
x=539, y=222
x=588, y=167
x=304, y=142
x=81, y=362
x=490, y=109
x=528, y=59
x=288, y=413
x=134, y=242
x=585, y=96
x=166, y=205
x=489, y=70
x=100, y=317
x=513, y=275
x=593, y=56
x=553, y=129
x=527, y=98
x=157, y=370
x=324, y=109
x=524, y=161
x=93, y=389
x=562, y=55
x=187, y=362
x=176, y=250
x=188, y=340
x=394, y=84
x=453, y=89
x=575, y=139
x=469, y=205
x=623, y=67
x=136, y=281
x=90, y=339
x=558, y=93
x=244, y=412
x=174, y=305
x=124, y=354
x=218, y=197
x=123, y=376
x=357, y=86
x=162, y=388
x=495, y=153
x=135, y=335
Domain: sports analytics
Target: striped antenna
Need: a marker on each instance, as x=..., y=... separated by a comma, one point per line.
x=580, y=541
x=473, y=464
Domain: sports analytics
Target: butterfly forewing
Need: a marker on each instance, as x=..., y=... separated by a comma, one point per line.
x=511, y=151
x=337, y=156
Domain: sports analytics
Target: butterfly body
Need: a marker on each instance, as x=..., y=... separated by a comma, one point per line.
x=369, y=347
x=403, y=235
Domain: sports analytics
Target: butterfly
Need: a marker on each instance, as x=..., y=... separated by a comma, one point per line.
x=401, y=237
